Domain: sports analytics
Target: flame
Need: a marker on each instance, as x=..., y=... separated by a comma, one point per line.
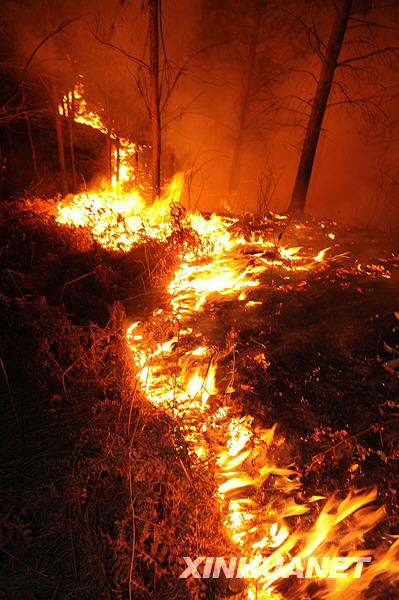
x=177, y=370
x=320, y=256
x=124, y=153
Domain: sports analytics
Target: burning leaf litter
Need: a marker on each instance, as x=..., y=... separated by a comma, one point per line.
x=178, y=371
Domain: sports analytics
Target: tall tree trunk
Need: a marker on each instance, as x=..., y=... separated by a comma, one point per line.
x=235, y=168
x=299, y=194
x=57, y=119
x=154, y=96
x=29, y=130
x=118, y=159
x=109, y=162
x=3, y=177
x=60, y=138
x=109, y=158
x=71, y=122
x=109, y=166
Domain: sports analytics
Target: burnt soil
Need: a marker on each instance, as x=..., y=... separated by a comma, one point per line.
x=67, y=463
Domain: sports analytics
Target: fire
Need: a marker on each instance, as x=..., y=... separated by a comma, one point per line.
x=177, y=370
x=123, y=154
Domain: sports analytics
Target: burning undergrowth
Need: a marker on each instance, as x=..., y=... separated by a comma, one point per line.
x=172, y=449
x=82, y=450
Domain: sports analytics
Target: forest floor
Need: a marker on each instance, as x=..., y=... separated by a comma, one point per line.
x=72, y=480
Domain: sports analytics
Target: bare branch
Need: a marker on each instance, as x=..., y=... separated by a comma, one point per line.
x=181, y=112
x=367, y=23
x=47, y=37
x=184, y=66
x=368, y=55
x=138, y=61
x=312, y=33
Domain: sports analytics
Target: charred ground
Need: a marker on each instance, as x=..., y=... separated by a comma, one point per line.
x=82, y=452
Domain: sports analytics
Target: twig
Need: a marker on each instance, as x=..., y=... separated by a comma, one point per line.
x=277, y=245
x=348, y=61
x=74, y=281
x=14, y=408
x=55, y=593
x=132, y=501
x=185, y=470
x=11, y=273
x=122, y=51
x=64, y=373
x=60, y=28
x=29, y=567
x=344, y=441
x=75, y=567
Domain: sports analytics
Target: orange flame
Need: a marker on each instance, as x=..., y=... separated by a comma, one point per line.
x=180, y=375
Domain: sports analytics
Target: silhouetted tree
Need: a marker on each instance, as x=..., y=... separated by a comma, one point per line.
x=155, y=111
x=247, y=84
x=319, y=104
x=251, y=64
x=365, y=37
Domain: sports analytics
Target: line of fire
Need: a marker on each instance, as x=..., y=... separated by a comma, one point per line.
x=199, y=300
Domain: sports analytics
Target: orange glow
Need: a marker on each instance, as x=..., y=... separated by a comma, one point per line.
x=181, y=375
x=123, y=151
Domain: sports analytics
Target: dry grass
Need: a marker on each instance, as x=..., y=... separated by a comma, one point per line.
x=99, y=498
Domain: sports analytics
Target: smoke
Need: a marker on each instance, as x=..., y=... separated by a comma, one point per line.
x=205, y=54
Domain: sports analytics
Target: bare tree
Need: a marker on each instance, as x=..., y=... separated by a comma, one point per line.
x=250, y=67
x=247, y=83
x=319, y=105
x=155, y=111
x=362, y=37
x=59, y=137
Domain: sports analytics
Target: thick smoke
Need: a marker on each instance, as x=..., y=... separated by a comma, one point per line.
x=205, y=49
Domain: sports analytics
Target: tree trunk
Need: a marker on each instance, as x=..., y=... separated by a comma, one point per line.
x=108, y=138
x=235, y=169
x=30, y=134
x=154, y=96
x=57, y=119
x=60, y=139
x=118, y=159
x=71, y=122
x=299, y=194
